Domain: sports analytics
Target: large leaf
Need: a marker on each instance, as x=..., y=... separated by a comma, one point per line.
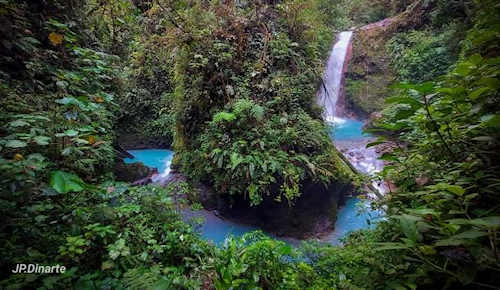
x=405, y=100
x=18, y=123
x=492, y=121
x=409, y=227
x=461, y=238
x=391, y=246
x=490, y=222
x=423, y=88
x=388, y=157
x=42, y=140
x=15, y=144
x=64, y=182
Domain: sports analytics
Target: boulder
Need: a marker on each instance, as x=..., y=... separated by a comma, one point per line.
x=201, y=193
x=133, y=172
x=312, y=214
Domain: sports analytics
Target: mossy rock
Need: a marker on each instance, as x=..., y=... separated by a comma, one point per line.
x=131, y=172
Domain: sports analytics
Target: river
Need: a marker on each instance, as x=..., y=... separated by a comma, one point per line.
x=347, y=134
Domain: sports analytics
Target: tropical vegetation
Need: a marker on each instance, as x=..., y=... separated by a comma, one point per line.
x=231, y=86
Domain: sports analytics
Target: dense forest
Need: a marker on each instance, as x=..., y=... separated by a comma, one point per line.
x=231, y=86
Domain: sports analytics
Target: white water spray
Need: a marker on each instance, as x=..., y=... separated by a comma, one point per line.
x=332, y=79
x=363, y=159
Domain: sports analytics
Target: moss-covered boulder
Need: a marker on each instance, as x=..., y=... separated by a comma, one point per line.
x=246, y=82
x=132, y=172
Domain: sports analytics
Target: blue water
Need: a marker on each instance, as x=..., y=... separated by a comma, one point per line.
x=215, y=229
x=347, y=129
x=354, y=215
x=156, y=158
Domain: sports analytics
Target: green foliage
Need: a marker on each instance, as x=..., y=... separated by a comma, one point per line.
x=113, y=23
x=444, y=214
x=123, y=28
x=416, y=45
x=58, y=104
x=113, y=228
x=242, y=80
x=419, y=56
x=244, y=97
x=364, y=12
x=64, y=182
x=255, y=150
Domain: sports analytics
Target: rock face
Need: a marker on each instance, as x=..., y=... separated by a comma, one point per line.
x=312, y=214
x=201, y=193
x=370, y=74
x=137, y=172
x=133, y=141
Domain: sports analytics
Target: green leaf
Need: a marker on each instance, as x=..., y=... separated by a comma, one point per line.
x=42, y=140
x=375, y=143
x=71, y=133
x=491, y=121
x=423, y=88
x=409, y=227
x=15, y=144
x=162, y=284
x=424, y=211
x=224, y=116
x=64, y=182
x=470, y=235
x=491, y=221
x=235, y=160
x=391, y=246
x=484, y=138
x=477, y=93
x=456, y=189
x=404, y=100
x=388, y=157
x=18, y=123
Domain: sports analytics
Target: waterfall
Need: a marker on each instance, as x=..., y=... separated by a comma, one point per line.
x=332, y=80
x=365, y=160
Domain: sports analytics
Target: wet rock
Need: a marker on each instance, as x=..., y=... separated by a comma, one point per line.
x=207, y=197
x=311, y=215
x=120, y=152
x=202, y=193
x=143, y=181
x=173, y=177
x=133, y=172
x=386, y=147
x=370, y=123
x=135, y=141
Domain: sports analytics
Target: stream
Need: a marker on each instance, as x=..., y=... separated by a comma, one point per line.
x=354, y=215
x=347, y=134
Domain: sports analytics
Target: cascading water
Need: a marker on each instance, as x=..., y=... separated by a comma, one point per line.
x=347, y=135
x=332, y=80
